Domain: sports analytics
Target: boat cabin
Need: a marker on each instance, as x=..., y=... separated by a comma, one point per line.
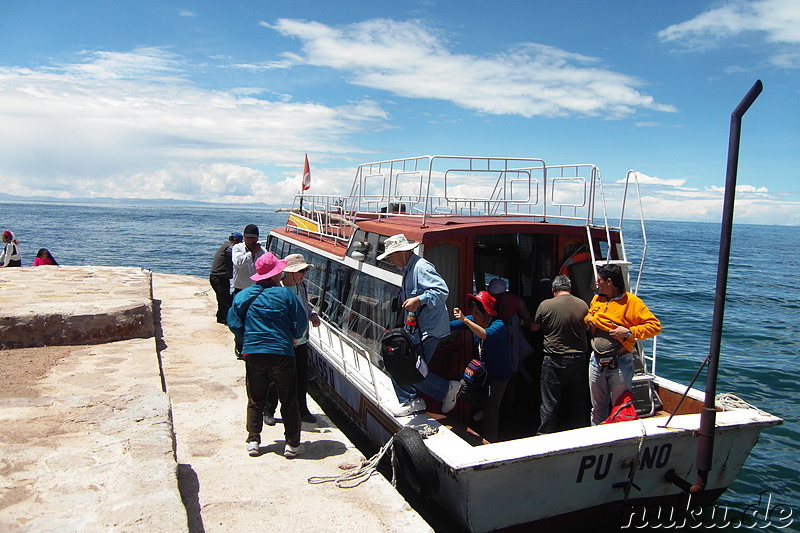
x=475, y=219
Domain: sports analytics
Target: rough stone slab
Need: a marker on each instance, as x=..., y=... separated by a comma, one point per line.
x=88, y=443
x=71, y=305
x=90, y=447
x=225, y=489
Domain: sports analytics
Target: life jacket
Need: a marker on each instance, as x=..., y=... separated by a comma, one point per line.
x=623, y=410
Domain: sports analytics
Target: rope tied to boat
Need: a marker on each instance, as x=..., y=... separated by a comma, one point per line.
x=355, y=475
x=358, y=474
x=728, y=401
x=636, y=461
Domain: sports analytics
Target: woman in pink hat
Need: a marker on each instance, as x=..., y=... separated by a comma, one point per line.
x=489, y=334
x=269, y=318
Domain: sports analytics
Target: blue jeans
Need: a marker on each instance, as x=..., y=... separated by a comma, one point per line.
x=433, y=385
x=563, y=383
x=607, y=385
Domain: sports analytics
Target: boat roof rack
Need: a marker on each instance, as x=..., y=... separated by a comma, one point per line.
x=441, y=186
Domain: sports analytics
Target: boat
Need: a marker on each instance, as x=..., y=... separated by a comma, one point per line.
x=478, y=218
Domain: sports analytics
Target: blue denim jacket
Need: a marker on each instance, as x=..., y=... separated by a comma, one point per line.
x=421, y=279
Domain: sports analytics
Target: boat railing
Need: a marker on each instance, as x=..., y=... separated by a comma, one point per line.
x=321, y=215
x=632, y=175
x=428, y=187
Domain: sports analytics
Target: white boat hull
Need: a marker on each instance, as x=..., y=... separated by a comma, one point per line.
x=565, y=480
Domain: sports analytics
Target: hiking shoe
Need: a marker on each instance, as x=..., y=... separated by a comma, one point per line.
x=451, y=397
x=252, y=448
x=269, y=419
x=293, y=451
x=410, y=407
x=308, y=417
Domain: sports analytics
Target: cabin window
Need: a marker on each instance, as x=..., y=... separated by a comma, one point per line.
x=369, y=309
x=352, y=301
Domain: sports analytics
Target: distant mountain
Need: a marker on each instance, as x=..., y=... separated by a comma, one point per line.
x=127, y=201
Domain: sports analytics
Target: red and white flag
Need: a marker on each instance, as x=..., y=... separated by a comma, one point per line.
x=306, y=175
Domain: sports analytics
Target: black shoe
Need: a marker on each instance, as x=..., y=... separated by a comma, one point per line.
x=269, y=419
x=308, y=417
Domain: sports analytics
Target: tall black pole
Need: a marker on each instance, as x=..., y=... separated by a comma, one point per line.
x=708, y=416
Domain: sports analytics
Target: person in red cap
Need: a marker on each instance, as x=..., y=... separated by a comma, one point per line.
x=269, y=318
x=491, y=337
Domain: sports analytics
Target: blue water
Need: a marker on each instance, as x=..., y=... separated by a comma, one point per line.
x=759, y=350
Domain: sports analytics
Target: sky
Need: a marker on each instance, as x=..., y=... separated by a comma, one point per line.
x=219, y=101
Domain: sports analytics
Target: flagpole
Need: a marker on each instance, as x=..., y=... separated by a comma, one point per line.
x=306, y=183
x=302, y=183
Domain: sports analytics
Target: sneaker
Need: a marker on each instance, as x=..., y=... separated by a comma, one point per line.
x=308, y=417
x=293, y=451
x=252, y=448
x=412, y=406
x=269, y=419
x=452, y=395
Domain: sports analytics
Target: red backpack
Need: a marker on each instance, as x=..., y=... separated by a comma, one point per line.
x=623, y=410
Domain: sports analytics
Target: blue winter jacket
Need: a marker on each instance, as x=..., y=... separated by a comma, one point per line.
x=268, y=318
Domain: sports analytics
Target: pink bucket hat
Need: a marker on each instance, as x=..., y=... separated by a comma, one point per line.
x=267, y=266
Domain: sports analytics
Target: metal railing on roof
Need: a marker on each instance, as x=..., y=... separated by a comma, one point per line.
x=427, y=187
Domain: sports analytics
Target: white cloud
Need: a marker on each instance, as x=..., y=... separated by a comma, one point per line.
x=129, y=124
x=651, y=180
x=742, y=189
x=148, y=62
x=409, y=59
x=671, y=199
x=778, y=21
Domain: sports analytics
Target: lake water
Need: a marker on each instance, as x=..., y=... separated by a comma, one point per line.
x=759, y=347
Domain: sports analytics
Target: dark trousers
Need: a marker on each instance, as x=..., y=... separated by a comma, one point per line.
x=261, y=369
x=222, y=288
x=301, y=364
x=565, y=386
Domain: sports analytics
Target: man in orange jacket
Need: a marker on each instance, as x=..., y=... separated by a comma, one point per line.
x=617, y=320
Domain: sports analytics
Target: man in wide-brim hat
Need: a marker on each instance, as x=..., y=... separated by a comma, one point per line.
x=423, y=293
x=269, y=317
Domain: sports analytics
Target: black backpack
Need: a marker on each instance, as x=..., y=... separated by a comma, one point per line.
x=401, y=358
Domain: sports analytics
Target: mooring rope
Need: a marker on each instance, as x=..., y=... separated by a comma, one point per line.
x=356, y=475
x=728, y=401
x=636, y=461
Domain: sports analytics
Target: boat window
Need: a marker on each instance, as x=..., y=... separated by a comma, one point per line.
x=279, y=248
x=369, y=309
x=371, y=245
x=352, y=301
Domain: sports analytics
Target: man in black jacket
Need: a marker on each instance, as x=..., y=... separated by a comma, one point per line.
x=221, y=274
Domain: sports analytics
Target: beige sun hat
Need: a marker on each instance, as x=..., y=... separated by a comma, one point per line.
x=396, y=243
x=295, y=263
